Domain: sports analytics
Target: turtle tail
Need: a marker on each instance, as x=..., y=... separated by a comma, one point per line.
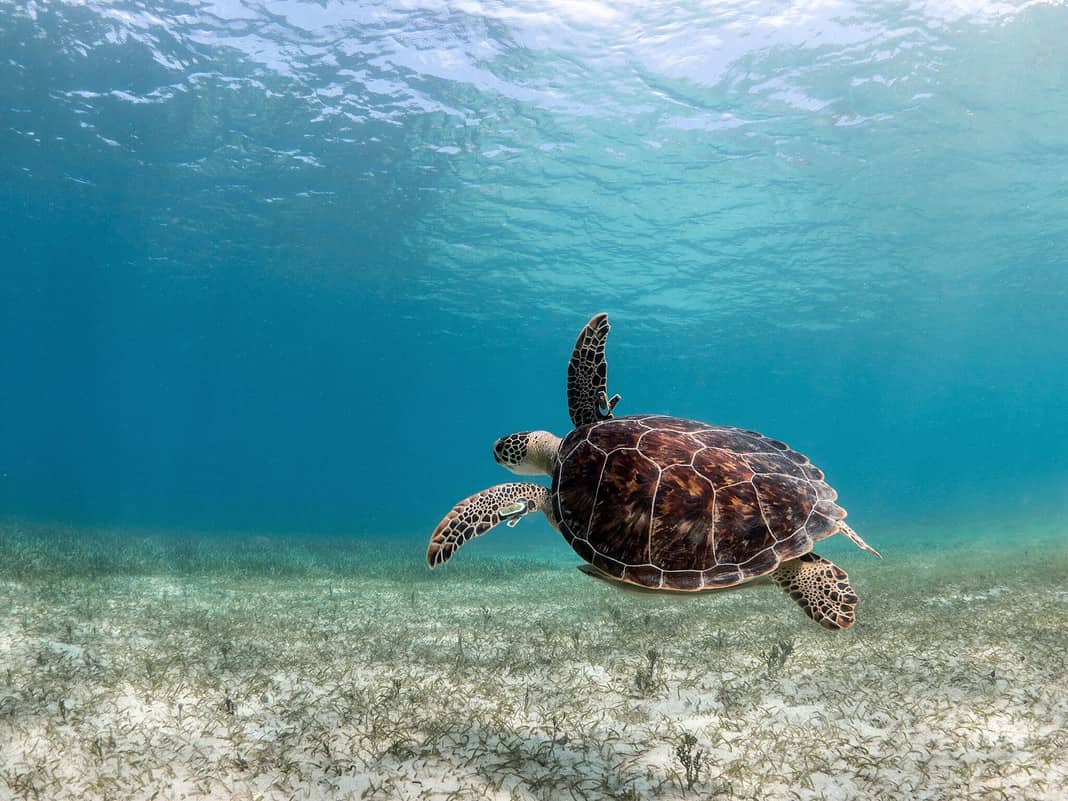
x=846, y=531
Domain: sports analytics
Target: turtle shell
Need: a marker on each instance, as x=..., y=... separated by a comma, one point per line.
x=676, y=504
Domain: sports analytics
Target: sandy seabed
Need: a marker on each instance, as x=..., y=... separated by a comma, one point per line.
x=150, y=667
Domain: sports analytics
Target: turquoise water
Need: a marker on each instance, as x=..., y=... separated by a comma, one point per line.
x=294, y=266
x=275, y=275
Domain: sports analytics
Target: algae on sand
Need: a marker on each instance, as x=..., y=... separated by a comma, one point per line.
x=253, y=668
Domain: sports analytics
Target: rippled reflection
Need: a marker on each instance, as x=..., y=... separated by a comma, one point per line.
x=297, y=235
x=802, y=160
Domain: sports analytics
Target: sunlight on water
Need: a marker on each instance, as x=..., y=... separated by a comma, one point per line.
x=275, y=275
x=794, y=212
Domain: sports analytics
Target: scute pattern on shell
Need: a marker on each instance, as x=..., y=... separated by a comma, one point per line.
x=670, y=503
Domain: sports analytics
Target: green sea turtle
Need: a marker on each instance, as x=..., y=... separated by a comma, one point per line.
x=660, y=503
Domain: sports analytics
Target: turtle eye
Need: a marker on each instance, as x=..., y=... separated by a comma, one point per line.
x=510, y=450
x=501, y=451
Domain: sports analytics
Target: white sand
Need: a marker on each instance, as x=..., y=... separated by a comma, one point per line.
x=518, y=679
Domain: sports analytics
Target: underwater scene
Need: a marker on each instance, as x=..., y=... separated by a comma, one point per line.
x=463, y=400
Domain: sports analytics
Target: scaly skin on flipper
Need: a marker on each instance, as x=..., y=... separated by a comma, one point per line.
x=587, y=375
x=478, y=513
x=821, y=589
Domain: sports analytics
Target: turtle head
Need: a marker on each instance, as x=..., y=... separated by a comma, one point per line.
x=528, y=453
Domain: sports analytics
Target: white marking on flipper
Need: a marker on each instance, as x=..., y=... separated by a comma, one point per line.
x=511, y=510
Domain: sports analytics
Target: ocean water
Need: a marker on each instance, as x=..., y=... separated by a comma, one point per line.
x=274, y=276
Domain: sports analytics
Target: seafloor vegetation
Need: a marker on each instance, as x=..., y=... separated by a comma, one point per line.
x=148, y=667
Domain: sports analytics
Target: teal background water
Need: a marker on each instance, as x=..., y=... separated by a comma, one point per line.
x=293, y=266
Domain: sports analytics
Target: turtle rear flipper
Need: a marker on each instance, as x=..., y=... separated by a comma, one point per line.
x=587, y=375
x=821, y=589
x=478, y=513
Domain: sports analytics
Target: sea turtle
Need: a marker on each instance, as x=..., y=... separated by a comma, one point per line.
x=666, y=504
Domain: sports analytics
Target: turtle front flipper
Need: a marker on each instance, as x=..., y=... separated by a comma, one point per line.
x=587, y=375
x=821, y=588
x=478, y=513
